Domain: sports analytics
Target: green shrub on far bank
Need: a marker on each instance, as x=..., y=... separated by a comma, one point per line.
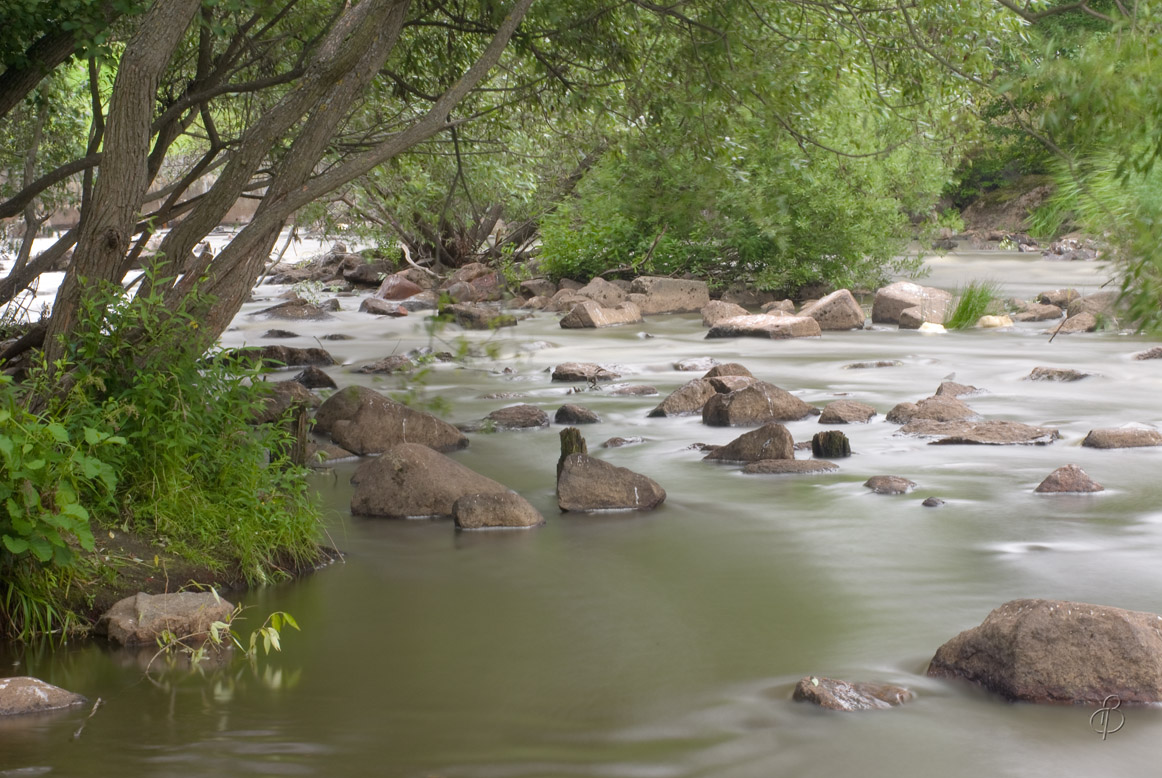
x=143, y=435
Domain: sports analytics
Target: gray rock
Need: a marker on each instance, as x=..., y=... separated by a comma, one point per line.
x=275, y=356
x=892, y=300
x=314, y=378
x=295, y=310
x=1069, y=478
x=686, y=400
x=717, y=310
x=538, y=287
x=846, y=412
x=988, y=433
x=849, y=696
x=589, y=314
x=473, y=316
x=1082, y=322
x=790, y=466
x=410, y=481
x=23, y=694
x=284, y=394
x=619, y=442
x=369, y=273
x=575, y=414
x=1123, y=437
x=634, y=390
x=779, y=307
x=889, y=484
x=1039, y=312
x=756, y=404
x=495, y=510
x=728, y=369
x=766, y=325
x=1154, y=353
x=724, y=384
x=377, y=307
x=279, y=334
x=1098, y=304
x=932, y=502
x=396, y=363
x=655, y=295
x=516, y=417
x=695, y=365
x=143, y=618
x=363, y=421
x=583, y=372
x=1049, y=651
x=1056, y=374
x=870, y=365
x=1060, y=298
x=936, y=408
x=605, y=294
x=837, y=311
x=590, y=484
x=951, y=389
x=770, y=441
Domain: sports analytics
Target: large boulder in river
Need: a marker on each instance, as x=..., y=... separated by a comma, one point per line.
x=25, y=694
x=770, y=441
x=518, y=417
x=837, y=311
x=835, y=694
x=589, y=315
x=935, y=408
x=576, y=372
x=142, y=618
x=363, y=421
x=1068, y=479
x=766, y=325
x=495, y=510
x=590, y=484
x=410, y=481
x=790, y=467
x=397, y=287
x=847, y=412
x=1059, y=652
x=755, y=404
x=1132, y=436
x=728, y=369
x=653, y=294
x=686, y=400
x=604, y=293
x=892, y=300
x=720, y=310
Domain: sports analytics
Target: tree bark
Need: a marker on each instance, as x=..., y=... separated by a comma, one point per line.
x=109, y=224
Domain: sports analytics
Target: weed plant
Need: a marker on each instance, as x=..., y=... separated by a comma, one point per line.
x=973, y=301
x=141, y=433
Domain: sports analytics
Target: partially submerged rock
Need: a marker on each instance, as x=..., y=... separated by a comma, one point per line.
x=765, y=325
x=275, y=356
x=1056, y=374
x=1082, y=322
x=1069, y=478
x=686, y=400
x=719, y=310
x=790, y=466
x=653, y=295
x=589, y=314
x=770, y=441
x=837, y=311
x=846, y=412
x=1133, y=436
x=589, y=484
x=891, y=301
x=363, y=421
x=840, y=695
x=988, y=433
x=889, y=484
x=522, y=416
x=575, y=414
x=935, y=408
x=831, y=444
x=142, y=618
x=1049, y=651
x=23, y=694
x=495, y=510
x=755, y=404
x=410, y=481
x=583, y=372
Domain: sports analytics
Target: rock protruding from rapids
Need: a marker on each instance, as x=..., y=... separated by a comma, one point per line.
x=518, y=417
x=590, y=315
x=986, y=433
x=892, y=300
x=766, y=325
x=849, y=696
x=495, y=510
x=935, y=408
x=410, y=481
x=889, y=484
x=846, y=412
x=655, y=294
x=1050, y=651
x=583, y=372
x=587, y=484
x=728, y=369
x=719, y=310
x=686, y=400
x=836, y=311
x=24, y=694
x=1068, y=479
x=1132, y=436
x=770, y=441
x=575, y=414
x=363, y=421
x=1063, y=374
x=790, y=467
x=831, y=444
x=755, y=404
x=143, y=618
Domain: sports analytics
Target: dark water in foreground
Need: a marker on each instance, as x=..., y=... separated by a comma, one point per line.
x=667, y=644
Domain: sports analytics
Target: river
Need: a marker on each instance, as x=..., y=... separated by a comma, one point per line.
x=666, y=644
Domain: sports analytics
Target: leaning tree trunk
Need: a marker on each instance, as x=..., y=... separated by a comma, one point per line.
x=108, y=224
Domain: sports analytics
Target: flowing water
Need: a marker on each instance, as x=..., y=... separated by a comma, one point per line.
x=667, y=643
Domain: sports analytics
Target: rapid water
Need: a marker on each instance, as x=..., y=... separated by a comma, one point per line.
x=667, y=643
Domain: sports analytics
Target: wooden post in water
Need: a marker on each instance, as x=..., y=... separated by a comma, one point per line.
x=571, y=443
x=299, y=424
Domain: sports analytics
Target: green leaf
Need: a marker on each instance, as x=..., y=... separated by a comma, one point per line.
x=15, y=545
x=58, y=432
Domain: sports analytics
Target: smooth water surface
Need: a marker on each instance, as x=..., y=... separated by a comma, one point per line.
x=667, y=643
